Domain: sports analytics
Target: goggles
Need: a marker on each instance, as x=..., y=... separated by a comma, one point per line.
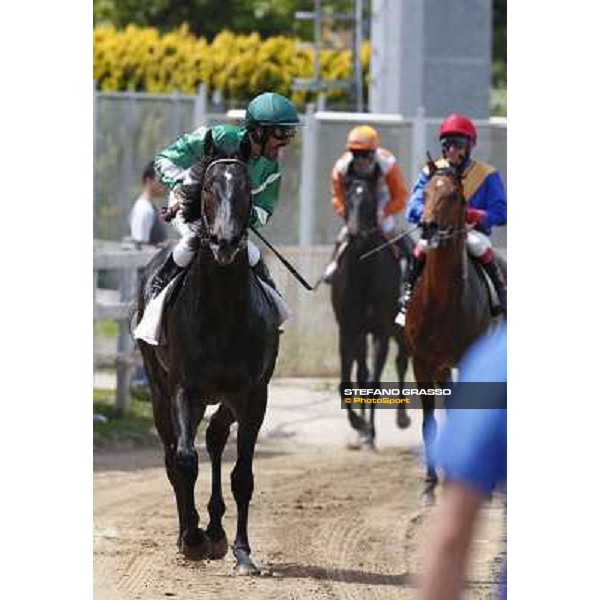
x=368, y=154
x=458, y=141
x=283, y=133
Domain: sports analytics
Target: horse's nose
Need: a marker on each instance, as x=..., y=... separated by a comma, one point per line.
x=226, y=251
x=224, y=245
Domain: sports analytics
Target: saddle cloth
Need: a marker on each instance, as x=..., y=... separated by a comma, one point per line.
x=150, y=328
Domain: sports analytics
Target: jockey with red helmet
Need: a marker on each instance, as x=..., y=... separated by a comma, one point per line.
x=486, y=204
x=361, y=158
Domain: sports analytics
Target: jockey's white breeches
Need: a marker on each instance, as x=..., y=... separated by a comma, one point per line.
x=477, y=243
x=183, y=252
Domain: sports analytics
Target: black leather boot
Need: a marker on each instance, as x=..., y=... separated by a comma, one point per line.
x=495, y=275
x=164, y=275
x=261, y=270
x=410, y=279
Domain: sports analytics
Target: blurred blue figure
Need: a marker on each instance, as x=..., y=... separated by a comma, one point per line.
x=472, y=452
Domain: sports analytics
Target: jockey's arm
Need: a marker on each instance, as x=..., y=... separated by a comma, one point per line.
x=265, y=198
x=337, y=192
x=173, y=162
x=397, y=188
x=495, y=195
x=414, y=209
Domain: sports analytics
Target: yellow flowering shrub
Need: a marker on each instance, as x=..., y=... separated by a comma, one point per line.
x=240, y=66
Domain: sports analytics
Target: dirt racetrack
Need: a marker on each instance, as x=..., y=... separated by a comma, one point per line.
x=325, y=522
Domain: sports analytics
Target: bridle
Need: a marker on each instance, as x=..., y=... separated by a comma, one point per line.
x=431, y=231
x=365, y=233
x=203, y=227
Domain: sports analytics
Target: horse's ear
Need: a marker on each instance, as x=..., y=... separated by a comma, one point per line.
x=431, y=165
x=245, y=150
x=209, y=144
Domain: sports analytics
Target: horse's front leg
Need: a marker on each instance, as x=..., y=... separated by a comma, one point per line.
x=363, y=377
x=216, y=438
x=424, y=376
x=402, y=418
x=242, y=477
x=349, y=344
x=381, y=343
x=186, y=416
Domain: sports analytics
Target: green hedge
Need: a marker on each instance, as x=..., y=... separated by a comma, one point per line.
x=240, y=66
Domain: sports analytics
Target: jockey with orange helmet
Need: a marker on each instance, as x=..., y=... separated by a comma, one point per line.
x=361, y=158
x=486, y=204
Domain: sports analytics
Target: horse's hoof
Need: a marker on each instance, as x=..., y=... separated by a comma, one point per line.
x=403, y=420
x=218, y=548
x=428, y=498
x=369, y=446
x=247, y=568
x=195, y=546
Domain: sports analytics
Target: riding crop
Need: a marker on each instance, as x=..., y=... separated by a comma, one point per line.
x=290, y=268
x=385, y=244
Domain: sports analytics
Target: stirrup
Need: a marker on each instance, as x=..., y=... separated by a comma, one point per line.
x=401, y=318
x=403, y=305
x=329, y=272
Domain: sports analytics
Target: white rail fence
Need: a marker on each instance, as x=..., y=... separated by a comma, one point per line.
x=115, y=305
x=308, y=348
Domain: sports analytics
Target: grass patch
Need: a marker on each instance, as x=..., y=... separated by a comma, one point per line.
x=132, y=431
x=106, y=328
x=498, y=103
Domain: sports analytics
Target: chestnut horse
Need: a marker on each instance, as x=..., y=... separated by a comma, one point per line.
x=450, y=306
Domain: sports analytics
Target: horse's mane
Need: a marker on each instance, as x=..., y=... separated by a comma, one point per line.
x=191, y=208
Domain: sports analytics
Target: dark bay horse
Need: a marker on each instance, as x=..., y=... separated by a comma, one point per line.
x=450, y=306
x=363, y=294
x=221, y=347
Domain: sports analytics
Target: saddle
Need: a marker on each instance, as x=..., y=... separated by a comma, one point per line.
x=150, y=328
x=493, y=299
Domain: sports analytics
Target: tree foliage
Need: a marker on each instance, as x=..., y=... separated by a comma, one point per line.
x=207, y=18
x=239, y=66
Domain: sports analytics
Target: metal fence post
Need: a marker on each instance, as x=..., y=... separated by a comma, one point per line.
x=308, y=178
x=125, y=346
x=419, y=141
x=200, y=105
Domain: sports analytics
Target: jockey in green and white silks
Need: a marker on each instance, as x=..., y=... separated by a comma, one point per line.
x=270, y=123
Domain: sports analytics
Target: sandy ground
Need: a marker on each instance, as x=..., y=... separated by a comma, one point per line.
x=326, y=521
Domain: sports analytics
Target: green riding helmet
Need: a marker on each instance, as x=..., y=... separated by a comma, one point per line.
x=271, y=110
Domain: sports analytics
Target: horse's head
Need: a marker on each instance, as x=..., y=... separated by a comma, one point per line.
x=222, y=215
x=444, y=210
x=361, y=205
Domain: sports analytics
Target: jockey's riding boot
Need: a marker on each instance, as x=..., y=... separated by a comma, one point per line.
x=494, y=273
x=164, y=275
x=410, y=280
x=260, y=270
